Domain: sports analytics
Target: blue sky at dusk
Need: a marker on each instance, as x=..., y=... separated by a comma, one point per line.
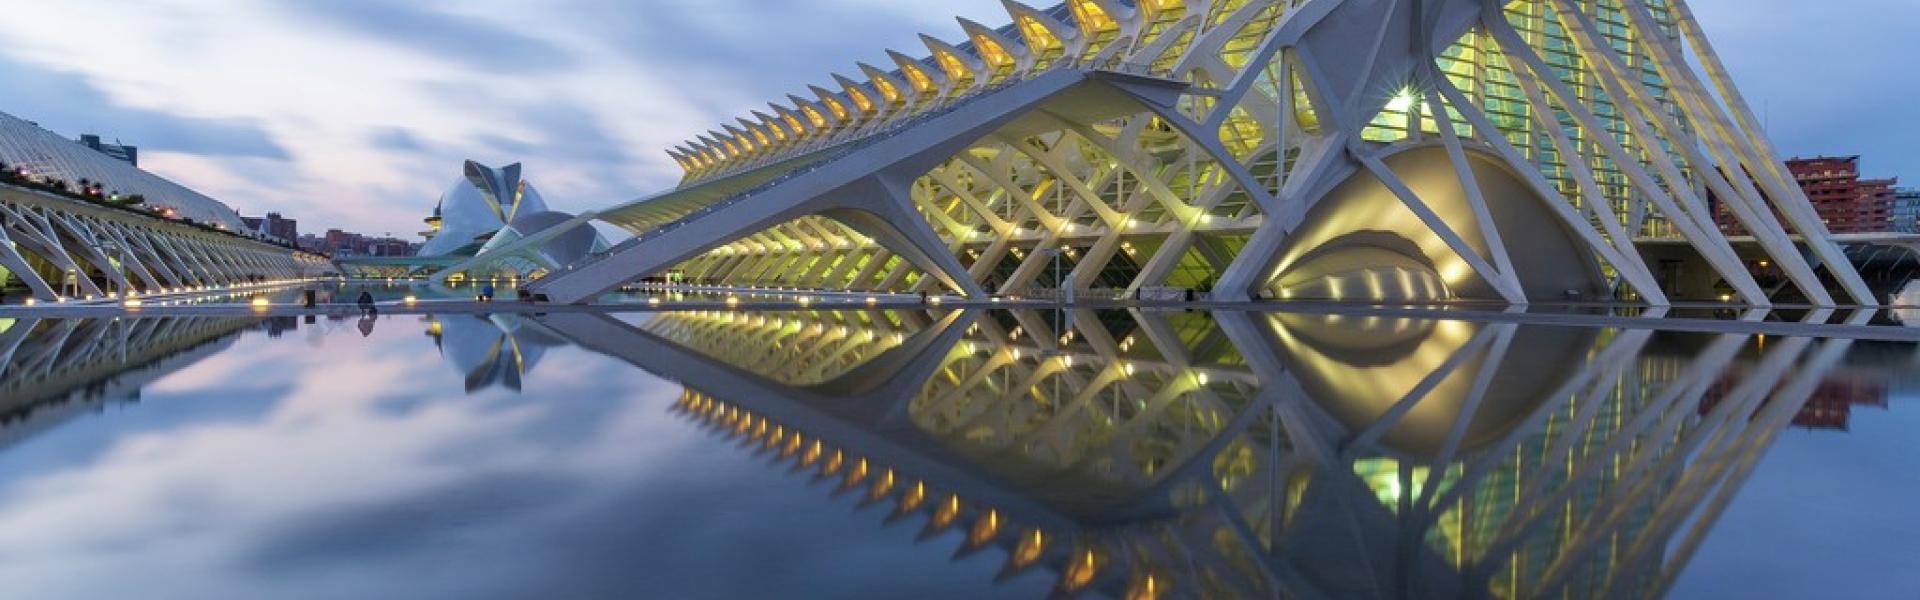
x=356, y=113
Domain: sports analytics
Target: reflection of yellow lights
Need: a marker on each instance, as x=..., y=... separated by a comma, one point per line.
x=882, y=484
x=915, y=496
x=1081, y=571
x=813, y=454
x=733, y=301
x=984, y=530
x=1147, y=588
x=949, y=511
x=1029, y=549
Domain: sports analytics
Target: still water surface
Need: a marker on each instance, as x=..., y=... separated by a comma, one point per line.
x=914, y=454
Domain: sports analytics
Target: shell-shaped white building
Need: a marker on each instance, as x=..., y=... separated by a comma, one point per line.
x=488, y=210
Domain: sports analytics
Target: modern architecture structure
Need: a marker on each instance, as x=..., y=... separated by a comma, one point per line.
x=76, y=223
x=1390, y=151
x=490, y=211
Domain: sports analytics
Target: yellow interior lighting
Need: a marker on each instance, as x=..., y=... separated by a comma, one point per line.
x=1159, y=6
x=839, y=110
x=887, y=90
x=1037, y=35
x=860, y=99
x=1092, y=19
x=956, y=69
x=992, y=52
x=919, y=79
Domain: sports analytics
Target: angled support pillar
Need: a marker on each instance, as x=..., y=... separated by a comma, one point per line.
x=17, y=263
x=880, y=208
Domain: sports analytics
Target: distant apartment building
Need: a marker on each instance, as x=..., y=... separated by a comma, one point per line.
x=127, y=154
x=312, y=243
x=1844, y=201
x=275, y=226
x=340, y=243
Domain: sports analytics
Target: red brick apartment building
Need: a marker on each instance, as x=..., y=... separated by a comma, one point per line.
x=1846, y=202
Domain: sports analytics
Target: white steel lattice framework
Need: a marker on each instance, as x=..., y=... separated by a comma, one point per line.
x=1382, y=150
x=63, y=248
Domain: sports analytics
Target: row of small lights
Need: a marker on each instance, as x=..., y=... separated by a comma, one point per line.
x=733, y=301
x=133, y=299
x=1031, y=545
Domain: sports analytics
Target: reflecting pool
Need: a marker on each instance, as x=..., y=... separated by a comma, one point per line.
x=857, y=453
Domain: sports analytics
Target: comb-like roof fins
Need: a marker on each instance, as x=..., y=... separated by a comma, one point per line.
x=892, y=91
x=1038, y=29
x=993, y=48
x=923, y=79
x=958, y=65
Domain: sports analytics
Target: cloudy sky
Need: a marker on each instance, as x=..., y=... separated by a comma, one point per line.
x=356, y=113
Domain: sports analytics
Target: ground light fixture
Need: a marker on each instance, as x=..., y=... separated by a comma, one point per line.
x=260, y=302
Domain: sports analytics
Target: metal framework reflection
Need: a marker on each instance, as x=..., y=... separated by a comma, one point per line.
x=1145, y=454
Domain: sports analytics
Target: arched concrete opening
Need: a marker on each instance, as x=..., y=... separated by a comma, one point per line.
x=1360, y=242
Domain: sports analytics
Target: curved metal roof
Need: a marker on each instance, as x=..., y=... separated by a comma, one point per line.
x=42, y=152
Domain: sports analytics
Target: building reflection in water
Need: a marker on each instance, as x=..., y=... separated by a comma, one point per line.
x=1145, y=454
x=490, y=350
x=52, y=370
x=1140, y=454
